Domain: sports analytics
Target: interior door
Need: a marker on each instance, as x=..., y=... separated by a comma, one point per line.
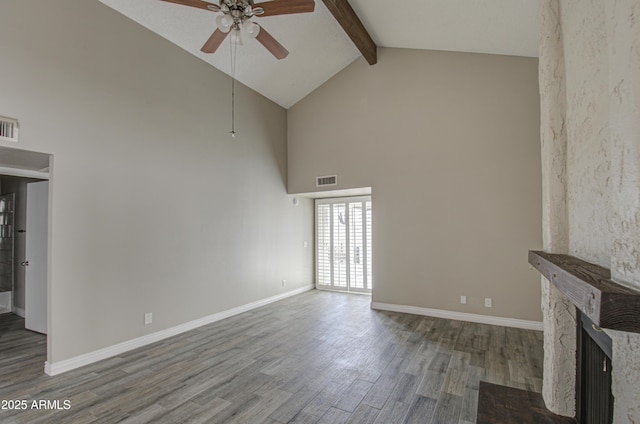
x=36, y=257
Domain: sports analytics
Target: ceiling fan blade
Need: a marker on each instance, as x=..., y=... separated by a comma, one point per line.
x=200, y=4
x=214, y=41
x=271, y=44
x=286, y=7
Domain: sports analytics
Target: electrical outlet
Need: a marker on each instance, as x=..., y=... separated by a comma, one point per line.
x=463, y=300
x=284, y=283
x=488, y=303
x=305, y=244
x=148, y=318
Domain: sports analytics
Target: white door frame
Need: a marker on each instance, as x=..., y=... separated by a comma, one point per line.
x=346, y=201
x=17, y=171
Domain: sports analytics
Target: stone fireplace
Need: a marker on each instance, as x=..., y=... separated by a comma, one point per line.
x=559, y=375
x=590, y=143
x=585, y=313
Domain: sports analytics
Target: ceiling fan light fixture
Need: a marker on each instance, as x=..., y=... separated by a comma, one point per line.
x=224, y=22
x=251, y=29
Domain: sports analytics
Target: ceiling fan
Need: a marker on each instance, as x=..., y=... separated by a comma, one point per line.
x=235, y=20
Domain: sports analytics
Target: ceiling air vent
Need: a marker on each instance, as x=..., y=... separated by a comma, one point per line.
x=8, y=129
x=328, y=180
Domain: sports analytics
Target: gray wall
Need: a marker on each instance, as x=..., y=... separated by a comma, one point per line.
x=449, y=143
x=154, y=207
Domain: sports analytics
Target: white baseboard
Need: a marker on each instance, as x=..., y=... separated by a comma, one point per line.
x=55, y=368
x=18, y=311
x=459, y=316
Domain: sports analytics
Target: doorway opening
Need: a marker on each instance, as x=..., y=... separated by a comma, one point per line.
x=23, y=247
x=24, y=226
x=344, y=244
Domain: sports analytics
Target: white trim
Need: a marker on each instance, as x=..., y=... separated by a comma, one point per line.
x=55, y=368
x=347, y=192
x=18, y=311
x=333, y=200
x=324, y=288
x=27, y=173
x=346, y=201
x=459, y=316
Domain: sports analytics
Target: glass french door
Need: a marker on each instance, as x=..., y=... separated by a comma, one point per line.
x=343, y=244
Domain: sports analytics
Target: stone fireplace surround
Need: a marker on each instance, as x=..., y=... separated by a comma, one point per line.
x=589, y=56
x=570, y=283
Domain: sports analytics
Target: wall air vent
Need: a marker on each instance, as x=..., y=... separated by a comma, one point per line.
x=328, y=180
x=8, y=129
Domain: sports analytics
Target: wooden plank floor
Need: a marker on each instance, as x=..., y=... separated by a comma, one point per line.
x=319, y=357
x=507, y=405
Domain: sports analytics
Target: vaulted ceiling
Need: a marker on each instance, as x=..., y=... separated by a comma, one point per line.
x=319, y=47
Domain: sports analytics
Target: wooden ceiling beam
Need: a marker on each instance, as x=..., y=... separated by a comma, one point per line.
x=349, y=21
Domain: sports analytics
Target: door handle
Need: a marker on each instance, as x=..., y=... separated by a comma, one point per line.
x=24, y=263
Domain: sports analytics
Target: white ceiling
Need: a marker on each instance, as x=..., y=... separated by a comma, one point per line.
x=319, y=48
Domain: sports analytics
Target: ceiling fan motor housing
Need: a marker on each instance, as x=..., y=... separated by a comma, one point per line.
x=240, y=9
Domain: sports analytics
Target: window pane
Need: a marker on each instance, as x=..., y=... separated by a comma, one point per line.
x=356, y=246
x=369, y=257
x=323, y=250
x=339, y=245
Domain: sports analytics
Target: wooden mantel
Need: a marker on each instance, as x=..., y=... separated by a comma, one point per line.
x=589, y=286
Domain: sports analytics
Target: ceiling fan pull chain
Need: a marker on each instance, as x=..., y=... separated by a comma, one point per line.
x=233, y=107
x=234, y=55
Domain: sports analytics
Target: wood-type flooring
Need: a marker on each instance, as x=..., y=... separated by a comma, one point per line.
x=507, y=405
x=319, y=357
